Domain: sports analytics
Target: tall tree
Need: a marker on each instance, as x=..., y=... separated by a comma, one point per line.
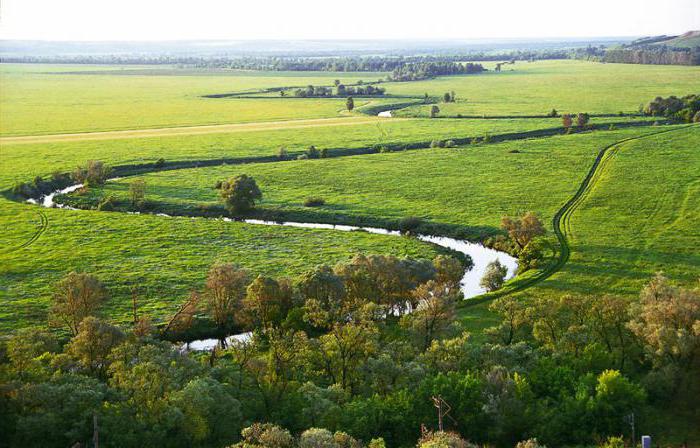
x=77, y=296
x=224, y=290
x=350, y=103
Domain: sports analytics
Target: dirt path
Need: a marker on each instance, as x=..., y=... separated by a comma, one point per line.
x=189, y=130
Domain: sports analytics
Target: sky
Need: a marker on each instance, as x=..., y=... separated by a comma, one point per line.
x=138, y=20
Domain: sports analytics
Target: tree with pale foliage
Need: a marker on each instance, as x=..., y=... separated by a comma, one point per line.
x=224, y=290
x=523, y=230
x=441, y=439
x=494, y=277
x=667, y=321
x=567, y=121
x=435, y=314
x=76, y=297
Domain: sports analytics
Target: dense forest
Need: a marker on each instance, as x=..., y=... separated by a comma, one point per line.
x=353, y=355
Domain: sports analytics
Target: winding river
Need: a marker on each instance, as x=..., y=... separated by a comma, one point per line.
x=480, y=255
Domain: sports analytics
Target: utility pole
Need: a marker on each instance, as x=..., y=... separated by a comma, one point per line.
x=629, y=418
x=443, y=410
x=95, y=432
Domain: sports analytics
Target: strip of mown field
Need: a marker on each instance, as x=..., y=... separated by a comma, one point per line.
x=43, y=99
x=21, y=162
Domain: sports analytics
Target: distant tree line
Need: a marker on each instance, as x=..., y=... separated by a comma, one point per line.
x=426, y=70
x=341, y=90
x=647, y=54
x=329, y=64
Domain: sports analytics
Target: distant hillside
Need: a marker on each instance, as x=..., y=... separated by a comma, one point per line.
x=688, y=40
x=663, y=50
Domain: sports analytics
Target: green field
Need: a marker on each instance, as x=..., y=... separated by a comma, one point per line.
x=469, y=187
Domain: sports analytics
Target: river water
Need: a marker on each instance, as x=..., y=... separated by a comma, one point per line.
x=480, y=255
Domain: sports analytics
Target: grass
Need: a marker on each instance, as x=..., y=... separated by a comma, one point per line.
x=535, y=88
x=100, y=100
x=468, y=187
x=165, y=257
x=641, y=217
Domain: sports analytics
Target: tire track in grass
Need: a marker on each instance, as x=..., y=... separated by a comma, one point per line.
x=43, y=225
x=561, y=222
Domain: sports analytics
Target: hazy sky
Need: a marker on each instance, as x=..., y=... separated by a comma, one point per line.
x=353, y=19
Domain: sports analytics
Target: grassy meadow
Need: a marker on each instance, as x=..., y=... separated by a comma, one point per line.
x=471, y=186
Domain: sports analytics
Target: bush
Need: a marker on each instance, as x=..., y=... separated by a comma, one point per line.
x=94, y=172
x=160, y=163
x=313, y=153
x=553, y=113
x=107, y=204
x=530, y=443
x=450, y=144
x=240, y=193
x=324, y=153
x=302, y=157
x=317, y=438
x=282, y=154
x=409, y=224
x=313, y=201
x=494, y=277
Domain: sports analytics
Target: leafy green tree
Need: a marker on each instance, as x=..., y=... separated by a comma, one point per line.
x=93, y=344
x=77, y=296
x=446, y=98
x=323, y=293
x=345, y=349
x=240, y=193
x=137, y=193
x=59, y=412
x=434, y=111
x=449, y=271
x=25, y=349
x=266, y=301
x=513, y=312
x=212, y=416
x=350, y=103
x=494, y=277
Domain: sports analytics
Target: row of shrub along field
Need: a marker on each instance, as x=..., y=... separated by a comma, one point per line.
x=23, y=161
x=41, y=99
x=533, y=88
